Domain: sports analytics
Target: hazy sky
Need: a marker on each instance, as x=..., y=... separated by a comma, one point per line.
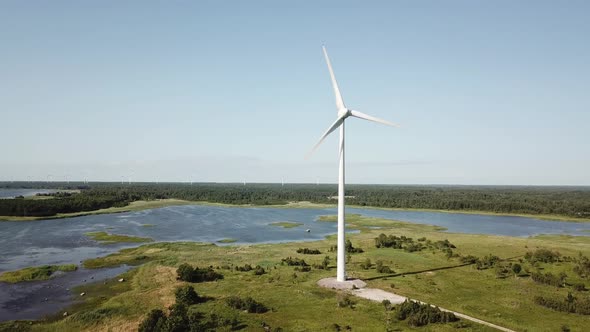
x=493, y=92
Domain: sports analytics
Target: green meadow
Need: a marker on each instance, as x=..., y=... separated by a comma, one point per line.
x=434, y=275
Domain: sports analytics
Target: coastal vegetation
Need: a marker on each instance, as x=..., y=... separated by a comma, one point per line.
x=36, y=273
x=107, y=238
x=295, y=302
x=555, y=202
x=286, y=224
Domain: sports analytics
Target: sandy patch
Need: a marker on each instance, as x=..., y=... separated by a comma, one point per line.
x=378, y=295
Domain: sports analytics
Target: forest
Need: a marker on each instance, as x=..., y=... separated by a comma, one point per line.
x=536, y=200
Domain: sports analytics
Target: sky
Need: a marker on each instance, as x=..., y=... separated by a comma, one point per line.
x=492, y=93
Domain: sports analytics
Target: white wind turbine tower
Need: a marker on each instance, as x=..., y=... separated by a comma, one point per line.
x=343, y=113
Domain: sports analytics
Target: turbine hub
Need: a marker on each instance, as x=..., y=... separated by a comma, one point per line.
x=343, y=113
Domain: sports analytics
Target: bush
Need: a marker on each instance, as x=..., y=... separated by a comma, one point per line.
x=248, y=304
x=352, y=250
x=245, y=268
x=570, y=304
x=468, y=259
x=367, y=264
x=186, y=295
x=307, y=251
x=516, y=268
x=294, y=261
x=542, y=255
x=487, y=262
x=423, y=314
x=549, y=279
x=382, y=268
x=302, y=268
x=186, y=272
x=259, y=270
x=582, y=267
x=155, y=321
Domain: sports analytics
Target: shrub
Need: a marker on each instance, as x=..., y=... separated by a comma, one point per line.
x=569, y=304
x=302, y=268
x=423, y=314
x=549, y=279
x=307, y=251
x=468, y=259
x=186, y=295
x=186, y=272
x=245, y=268
x=366, y=264
x=248, y=304
x=259, y=270
x=582, y=267
x=382, y=268
x=542, y=255
x=352, y=250
x=487, y=262
x=516, y=268
x=155, y=321
x=294, y=261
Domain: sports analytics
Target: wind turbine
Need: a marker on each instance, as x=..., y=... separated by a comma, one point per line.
x=343, y=113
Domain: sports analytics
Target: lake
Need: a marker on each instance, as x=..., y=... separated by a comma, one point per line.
x=62, y=241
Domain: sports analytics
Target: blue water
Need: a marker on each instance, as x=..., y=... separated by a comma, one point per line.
x=63, y=241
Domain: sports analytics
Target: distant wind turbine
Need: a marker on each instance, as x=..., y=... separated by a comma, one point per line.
x=343, y=113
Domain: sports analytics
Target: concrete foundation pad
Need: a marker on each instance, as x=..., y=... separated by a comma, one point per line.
x=348, y=284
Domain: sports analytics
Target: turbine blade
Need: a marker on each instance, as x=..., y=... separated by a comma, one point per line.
x=339, y=101
x=360, y=115
x=333, y=127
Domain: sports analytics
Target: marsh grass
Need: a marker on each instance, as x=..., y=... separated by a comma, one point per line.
x=286, y=224
x=296, y=303
x=36, y=273
x=107, y=238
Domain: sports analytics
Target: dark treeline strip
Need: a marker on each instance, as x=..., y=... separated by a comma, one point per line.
x=565, y=201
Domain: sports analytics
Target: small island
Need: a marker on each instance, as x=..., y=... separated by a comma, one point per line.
x=286, y=224
x=35, y=273
x=106, y=238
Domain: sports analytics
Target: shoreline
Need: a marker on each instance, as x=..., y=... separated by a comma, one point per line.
x=147, y=205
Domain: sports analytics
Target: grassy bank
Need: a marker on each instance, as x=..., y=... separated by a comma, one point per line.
x=35, y=273
x=134, y=206
x=297, y=304
x=107, y=238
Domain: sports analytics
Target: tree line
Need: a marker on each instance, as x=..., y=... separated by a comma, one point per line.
x=565, y=201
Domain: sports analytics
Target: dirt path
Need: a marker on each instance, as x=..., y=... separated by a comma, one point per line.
x=379, y=295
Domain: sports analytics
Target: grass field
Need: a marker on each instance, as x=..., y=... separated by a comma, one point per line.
x=299, y=305
x=35, y=273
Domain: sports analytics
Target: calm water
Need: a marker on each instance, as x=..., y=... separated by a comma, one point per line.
x=63, y=241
